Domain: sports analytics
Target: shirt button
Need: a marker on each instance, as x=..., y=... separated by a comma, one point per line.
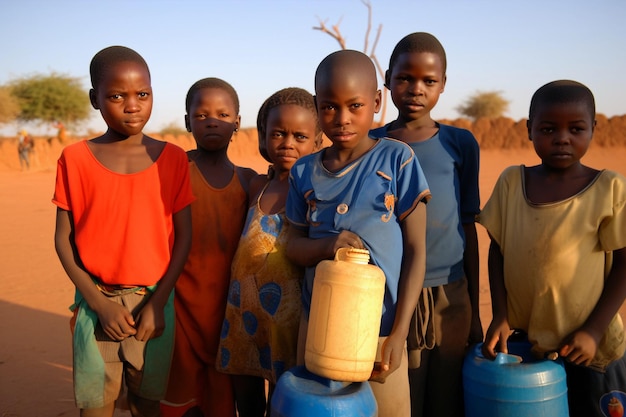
x=342, y=208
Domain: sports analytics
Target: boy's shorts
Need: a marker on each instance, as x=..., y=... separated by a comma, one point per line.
x=101, y=364
x=593, y=393
x=441, y=321
x=437, y=347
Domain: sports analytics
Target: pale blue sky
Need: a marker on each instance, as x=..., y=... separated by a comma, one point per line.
x=262, y=46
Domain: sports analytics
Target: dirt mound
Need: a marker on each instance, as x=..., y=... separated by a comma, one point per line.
x=499, y=133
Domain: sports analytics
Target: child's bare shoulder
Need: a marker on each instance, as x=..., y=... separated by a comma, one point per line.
x=153, y=145
x=256, y=185
x=191, y=154
x=245, y=176
x=258, y=180
x=150, y=141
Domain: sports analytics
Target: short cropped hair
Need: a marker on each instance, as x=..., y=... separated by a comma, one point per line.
x=290, y=95
x=347, y=63
x=110, y=56
x=211, y=82
x=562, y=92
x=419, y=42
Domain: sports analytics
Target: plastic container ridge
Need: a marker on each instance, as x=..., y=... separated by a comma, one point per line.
x=344, y=321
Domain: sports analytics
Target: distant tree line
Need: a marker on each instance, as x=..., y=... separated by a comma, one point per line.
x=60, y=98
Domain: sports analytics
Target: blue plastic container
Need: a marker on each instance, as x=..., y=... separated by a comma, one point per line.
x=299, y=393
x=507, y=386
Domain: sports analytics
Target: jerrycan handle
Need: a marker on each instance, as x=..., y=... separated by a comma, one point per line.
x=507, y=359
x=353, y=255
x=501, y=358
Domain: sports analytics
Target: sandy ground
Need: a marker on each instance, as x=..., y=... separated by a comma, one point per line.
x=35, y=357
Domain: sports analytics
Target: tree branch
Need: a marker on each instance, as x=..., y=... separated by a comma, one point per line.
x=335, y=33
x=369, y=23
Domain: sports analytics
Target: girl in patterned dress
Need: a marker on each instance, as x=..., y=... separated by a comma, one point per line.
x=260, y=330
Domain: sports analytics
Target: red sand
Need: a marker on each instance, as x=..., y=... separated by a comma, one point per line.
x=35, y=358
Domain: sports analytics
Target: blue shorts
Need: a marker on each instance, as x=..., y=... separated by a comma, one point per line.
x=593, y=393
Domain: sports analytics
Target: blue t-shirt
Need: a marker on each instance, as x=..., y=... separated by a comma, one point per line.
x=369, y=197
x=450, y=160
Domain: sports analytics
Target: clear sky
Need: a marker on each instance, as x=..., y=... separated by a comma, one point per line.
x=260, y=46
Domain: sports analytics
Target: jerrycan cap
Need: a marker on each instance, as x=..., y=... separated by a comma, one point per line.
x=354, y=255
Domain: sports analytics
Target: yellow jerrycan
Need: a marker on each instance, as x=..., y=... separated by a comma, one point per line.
x=344, y=321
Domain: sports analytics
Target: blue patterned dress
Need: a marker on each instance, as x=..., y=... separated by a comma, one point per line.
x=260, y=331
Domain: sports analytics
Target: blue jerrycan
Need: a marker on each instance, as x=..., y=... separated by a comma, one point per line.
x=514, y=384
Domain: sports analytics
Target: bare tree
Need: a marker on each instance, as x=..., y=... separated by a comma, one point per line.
x=335, y=33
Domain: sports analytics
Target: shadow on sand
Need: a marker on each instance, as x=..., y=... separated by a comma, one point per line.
x=35, y=358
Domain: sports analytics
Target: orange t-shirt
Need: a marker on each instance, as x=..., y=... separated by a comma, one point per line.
x=123, y=223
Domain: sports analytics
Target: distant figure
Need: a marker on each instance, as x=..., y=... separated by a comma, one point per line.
x=61, y=132
x=196, y=388
x=123, y=232
x=25, y=146
x=288, y=129
x=557, y=260
x=447, y=317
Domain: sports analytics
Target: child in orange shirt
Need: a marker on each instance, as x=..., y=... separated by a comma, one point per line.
x=218, y=215
x=265, y=285
x=123, y=232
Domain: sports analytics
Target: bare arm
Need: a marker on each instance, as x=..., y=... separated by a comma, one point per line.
x=471, y=267
x=150, y=320
x=581, y=346
x=499, y=329
x=409, y=289
x=116, y=320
